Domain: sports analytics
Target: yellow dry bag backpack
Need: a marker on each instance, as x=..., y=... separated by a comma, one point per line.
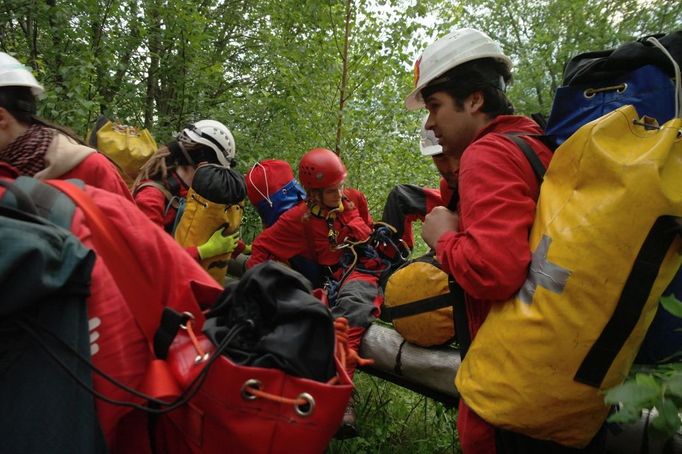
x=419, y=302
x=127, y=146
x=215, y=200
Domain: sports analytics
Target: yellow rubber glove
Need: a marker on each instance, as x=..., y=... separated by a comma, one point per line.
x=218, y=244
x=247, y=249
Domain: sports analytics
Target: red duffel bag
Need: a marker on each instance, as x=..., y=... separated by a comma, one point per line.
x=258, y=399
x=274, y=383
x=251, y=409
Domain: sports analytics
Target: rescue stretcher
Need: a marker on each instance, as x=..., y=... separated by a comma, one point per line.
x=431, y=372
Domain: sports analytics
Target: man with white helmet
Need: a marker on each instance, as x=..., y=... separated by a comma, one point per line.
x=461, y=80
x=38, y=148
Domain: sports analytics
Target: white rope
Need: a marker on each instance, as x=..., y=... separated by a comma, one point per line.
x=678, y=79
x=266, y=196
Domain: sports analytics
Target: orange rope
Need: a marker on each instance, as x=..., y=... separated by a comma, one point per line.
x=347, y=356
x=193, y=338
x=284, y=400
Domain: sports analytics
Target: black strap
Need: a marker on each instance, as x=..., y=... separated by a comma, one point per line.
x=533, y=159
x=398, y=368
x=99, y=123
x=432, y=303
x=633, y=298
x=454, y=201
x=171, y=320
x=461, y=319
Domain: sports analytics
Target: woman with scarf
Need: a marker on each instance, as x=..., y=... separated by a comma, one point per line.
x=37, y=148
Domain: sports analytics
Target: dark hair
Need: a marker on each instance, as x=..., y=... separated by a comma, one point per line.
x=190, y=154
x=168, y=157
x=21, y=104
x=487, y=75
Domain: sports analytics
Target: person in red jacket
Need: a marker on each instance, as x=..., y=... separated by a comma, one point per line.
x=321, y=229
x=38, y=148
x=117, y=346
x=165, y=179
x=407, y=203
x=461, y=80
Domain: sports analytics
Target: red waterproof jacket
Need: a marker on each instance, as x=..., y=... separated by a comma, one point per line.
x=96, y=170
x=489, y=255
x=118, y=347
x=298, y=232
x=152, y=202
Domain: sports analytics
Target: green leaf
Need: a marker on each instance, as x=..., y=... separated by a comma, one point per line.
x=673, y=385
x=647, y=380
x=632, y=394
x=672, y=305
x=626, y=415
x=667, y=422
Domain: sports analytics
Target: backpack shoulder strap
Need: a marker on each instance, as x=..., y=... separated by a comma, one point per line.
x=122, y=262
x=529, y=153
x=31, y=196
x=155, y=184
x=459, y=306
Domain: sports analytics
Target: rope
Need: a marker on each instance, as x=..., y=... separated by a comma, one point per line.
x=266, y=196
x=678, y=78
x=28, y=323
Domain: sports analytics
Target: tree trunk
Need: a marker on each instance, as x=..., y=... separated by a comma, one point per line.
x=343, y=87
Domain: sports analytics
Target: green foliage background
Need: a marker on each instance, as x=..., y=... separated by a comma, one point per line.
x=276, y=72
x=289, y=75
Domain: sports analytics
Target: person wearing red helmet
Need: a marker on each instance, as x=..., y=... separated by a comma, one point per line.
x=320, y=230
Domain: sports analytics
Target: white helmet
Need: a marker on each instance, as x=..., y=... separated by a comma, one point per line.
x=14, y=74
x=214, y=135
x=428, y=144
x=457, y=47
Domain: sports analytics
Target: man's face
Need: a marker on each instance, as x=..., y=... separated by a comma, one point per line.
x=448, y=167
x=454, y=126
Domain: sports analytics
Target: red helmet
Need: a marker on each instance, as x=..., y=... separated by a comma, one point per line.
x=321, y=168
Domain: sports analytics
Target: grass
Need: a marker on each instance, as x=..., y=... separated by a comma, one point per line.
x=394, y=420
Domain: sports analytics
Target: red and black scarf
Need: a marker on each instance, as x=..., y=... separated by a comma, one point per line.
x=27, y=152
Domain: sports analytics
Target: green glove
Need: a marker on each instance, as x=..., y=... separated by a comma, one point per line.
x=218, y=244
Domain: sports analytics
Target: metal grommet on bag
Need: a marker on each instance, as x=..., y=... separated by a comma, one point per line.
x=308, y=407
x=620, y=88
x=190, y=316
x=251, y=383
x=201, y=358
